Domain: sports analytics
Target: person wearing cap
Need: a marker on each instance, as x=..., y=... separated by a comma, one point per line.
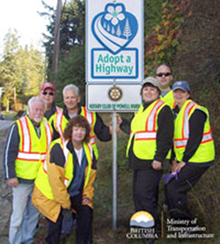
x=193, y=148
x=164, y=76
x=47, y=93
x=151, y=136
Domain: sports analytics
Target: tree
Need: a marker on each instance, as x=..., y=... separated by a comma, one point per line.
x=22, y=71
x=127, y=29
x=10, y=70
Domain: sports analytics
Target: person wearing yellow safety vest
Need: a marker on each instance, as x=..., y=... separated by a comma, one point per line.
x=151, y=135
x=164, y=76
x=71, y=99
x=25, y=151
x=65, y=182
x=193, y=148
x=47, y=93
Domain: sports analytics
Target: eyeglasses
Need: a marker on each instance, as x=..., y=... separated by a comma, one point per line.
x=165, y=74
x=48, y=93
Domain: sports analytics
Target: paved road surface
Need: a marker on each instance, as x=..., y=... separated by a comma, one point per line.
x=5, y=124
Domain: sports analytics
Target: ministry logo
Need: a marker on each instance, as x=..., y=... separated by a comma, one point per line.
x=142, y=226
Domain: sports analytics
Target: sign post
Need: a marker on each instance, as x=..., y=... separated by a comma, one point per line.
x=114, y=63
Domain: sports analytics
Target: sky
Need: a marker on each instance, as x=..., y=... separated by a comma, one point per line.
x=23, y=16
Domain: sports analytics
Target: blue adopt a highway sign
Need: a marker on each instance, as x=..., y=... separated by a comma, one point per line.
x=114, y=52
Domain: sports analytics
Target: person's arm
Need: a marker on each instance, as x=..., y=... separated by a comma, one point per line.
x=88, y=191
x=56, y=176
x=196, y=128
x=164, y=133
x=101, y=130
x=125, y=126
x=55, y=134
x=10, y=153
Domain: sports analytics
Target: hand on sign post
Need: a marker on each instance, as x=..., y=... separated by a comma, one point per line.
x=119, y=119
x=117, y=129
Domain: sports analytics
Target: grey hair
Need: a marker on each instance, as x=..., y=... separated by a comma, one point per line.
x=71, y=87
x=36, y=99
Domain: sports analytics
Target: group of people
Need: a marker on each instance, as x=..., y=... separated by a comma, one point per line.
x=169, y=126
x=49, y=161
x=50, y=156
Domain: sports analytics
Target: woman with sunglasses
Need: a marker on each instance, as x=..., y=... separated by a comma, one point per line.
x=151, y=135
x=193, y=147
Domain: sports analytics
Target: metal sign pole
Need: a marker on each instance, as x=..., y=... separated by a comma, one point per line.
x=114, y=172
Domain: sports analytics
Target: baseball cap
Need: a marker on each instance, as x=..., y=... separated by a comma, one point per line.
x=151, y=80
x=47, y=85
x=183, y=85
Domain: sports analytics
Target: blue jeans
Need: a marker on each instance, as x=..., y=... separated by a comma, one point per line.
x=24, y=216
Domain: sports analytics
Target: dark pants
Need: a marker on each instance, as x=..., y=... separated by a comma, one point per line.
x=84, y=217
x=54, y=230
x=176, y=190
x=145, y=190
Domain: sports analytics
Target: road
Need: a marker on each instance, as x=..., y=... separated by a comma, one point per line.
x=5, y=124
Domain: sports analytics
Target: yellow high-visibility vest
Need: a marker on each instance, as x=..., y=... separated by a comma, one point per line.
x=61, y=122
x=169, y=99
x=42, y=180
x=206, y=151
x=32, y=150
x=144, y=131
x=52, y=118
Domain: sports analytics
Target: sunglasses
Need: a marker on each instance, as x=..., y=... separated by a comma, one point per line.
x=165, y=74
x=48, y=93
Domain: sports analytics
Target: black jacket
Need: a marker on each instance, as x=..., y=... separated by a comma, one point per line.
x=164, y=138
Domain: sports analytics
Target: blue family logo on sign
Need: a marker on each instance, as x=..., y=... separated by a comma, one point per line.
x=114, y=28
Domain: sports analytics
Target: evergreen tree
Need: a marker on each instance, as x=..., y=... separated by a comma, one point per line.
x=127, y=30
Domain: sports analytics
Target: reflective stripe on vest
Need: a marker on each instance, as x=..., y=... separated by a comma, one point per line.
x=151, y=132
x=31, y=156
x=144, y=131
x=179, y=143
x=90, y=116
x=58, y=122
x=25, y=152
x=42, y=180
x=32, y=150
x=205, y=152
x=151, y=121
x=145, y=135
x=66, y=153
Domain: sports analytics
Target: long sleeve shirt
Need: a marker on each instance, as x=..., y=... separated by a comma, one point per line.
x=164, y=138
x=101, y=129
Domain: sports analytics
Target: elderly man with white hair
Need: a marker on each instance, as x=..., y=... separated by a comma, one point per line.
x=25, y=150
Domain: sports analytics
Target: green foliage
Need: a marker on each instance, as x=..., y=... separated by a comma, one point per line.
x=72, y=71
x=161, y=44
x=21, y=71
x=72, y=31
x=152, y=14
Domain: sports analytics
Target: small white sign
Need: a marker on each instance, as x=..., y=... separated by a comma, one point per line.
x=108, y=98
